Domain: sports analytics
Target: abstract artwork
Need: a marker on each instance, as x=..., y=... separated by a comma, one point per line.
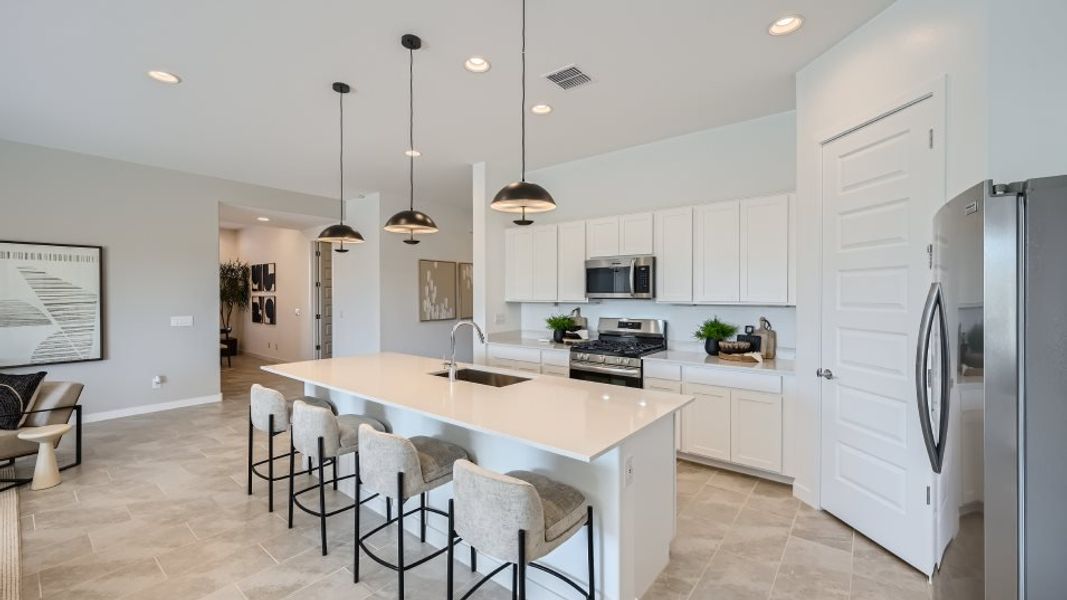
x=437, y=290
x=264, y=278
x=269, y=310
x=257, y=310
x=465, y=301
x=50, y=303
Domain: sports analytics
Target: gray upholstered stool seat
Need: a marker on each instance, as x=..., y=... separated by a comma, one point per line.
x=401, y=468
x=563, y=506
x=517, y=518
x=324, y=437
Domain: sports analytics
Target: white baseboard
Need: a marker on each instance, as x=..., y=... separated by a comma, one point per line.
x=107, y=415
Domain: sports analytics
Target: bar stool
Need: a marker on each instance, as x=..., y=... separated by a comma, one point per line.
x=517, y=518
x=319, y=434
x=401, y=468
x=270, y=412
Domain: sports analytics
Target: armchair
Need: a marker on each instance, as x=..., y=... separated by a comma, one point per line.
x=56, y=401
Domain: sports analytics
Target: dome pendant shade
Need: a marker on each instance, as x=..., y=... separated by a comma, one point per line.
x=340, y=234
x=523, y=196
x=410, y=221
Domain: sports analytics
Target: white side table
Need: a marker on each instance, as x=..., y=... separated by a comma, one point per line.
x=46, y=471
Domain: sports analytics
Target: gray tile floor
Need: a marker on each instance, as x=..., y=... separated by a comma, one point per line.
x=158, y=510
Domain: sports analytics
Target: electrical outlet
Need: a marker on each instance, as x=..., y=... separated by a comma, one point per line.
x=628, y=476
x=157, y=381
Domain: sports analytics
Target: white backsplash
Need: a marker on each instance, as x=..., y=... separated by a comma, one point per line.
x=682, y=320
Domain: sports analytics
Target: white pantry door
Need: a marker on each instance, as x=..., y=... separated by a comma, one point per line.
x=881, y=184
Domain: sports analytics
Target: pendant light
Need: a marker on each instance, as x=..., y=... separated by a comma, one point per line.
x=340, y=233
x=411, y=221
x=523, y=196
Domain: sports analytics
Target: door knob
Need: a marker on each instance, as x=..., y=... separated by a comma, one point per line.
x=825, y=373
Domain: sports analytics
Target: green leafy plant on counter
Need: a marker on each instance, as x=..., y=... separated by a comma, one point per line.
x=714, y=329
x=560, y=322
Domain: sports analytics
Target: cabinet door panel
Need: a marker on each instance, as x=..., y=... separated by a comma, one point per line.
x=716, y=252
x=674, y=255
x=756, y=427
x=518, y=278
x=706, y=422
x=571, y=262
x=765, y=250
x=635, y=234
x=544, y=264
x=602, y=237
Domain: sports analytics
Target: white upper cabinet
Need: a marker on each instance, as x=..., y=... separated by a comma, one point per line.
x=602, y=237
x=674, y=255
x=543, y=274
x=635, y=234
x=716, y=252
x=765, y=250
x=518, y=278
x=570, y=286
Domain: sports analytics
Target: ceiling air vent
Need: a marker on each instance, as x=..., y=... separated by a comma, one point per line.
x=568, y=77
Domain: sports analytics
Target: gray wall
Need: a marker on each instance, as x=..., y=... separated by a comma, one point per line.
x=159, y=230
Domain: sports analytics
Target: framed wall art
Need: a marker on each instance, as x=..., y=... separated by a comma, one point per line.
x=465, y=299
x=51, y=302
x=437, y=290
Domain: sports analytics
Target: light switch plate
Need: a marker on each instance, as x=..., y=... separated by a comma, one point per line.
x=182, y=321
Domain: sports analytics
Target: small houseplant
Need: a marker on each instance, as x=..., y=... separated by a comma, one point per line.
x=712, y=332
x=559, y=324
x=234, y=290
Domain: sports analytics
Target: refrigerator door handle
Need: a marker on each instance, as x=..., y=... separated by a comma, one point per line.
x=922, y=376
x=945, y=387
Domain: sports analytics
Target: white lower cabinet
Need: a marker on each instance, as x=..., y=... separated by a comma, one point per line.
x=530, y=360
x=515, y=365
x=706, y=422
x=756, y=429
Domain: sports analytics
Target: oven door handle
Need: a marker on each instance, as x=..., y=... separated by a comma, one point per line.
x=625, y=371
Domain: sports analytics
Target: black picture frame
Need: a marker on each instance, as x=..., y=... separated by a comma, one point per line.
x=100, y=303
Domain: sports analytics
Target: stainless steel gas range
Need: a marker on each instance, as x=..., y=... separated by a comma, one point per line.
x=615, y=356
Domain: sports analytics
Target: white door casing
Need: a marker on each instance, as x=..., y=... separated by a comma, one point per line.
x=881, y=185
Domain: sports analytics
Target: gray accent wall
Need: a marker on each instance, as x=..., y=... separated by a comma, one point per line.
x=160, y=233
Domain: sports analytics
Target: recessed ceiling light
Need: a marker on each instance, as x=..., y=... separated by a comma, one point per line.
x=165, y=77
x=785, y=25
x=412, y=153
x=540, y=109
x=264, y=219
x=476, y=64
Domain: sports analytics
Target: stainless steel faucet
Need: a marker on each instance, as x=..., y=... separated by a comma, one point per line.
x=451, y=364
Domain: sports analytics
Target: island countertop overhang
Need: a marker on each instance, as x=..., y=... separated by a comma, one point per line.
x=572, y=418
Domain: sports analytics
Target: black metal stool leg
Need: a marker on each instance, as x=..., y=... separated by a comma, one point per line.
x=514, y=582
x=322, y=499
x=474, y=559
x=270, y=463
x=422, y=517
x=400, y=534
x=522, y=564
x=356, y=510
x=249, y=450
x=335, y=473
x=309, y=467
x=451, y=549
x=292, y=462
x=589, y=532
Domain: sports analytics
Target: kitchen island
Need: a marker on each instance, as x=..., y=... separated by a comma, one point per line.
x=615, y=444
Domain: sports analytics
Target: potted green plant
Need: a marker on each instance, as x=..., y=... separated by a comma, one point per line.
x=234, y=290
x=712, y=332
x=559, y=324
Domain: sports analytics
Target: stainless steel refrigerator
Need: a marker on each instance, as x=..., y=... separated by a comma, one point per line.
x=991, y=372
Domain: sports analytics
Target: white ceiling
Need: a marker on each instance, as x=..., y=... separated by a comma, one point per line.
x=232, y=216
x=256, y=103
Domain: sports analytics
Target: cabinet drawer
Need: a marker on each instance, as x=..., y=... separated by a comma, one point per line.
x=663, y=385
x=659, y=370
x=556, y=370
x=515, y=365
x=770, y=384
x=529, y=355
x=557, y=358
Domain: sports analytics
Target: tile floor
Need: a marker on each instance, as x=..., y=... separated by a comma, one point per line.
x=158, y=510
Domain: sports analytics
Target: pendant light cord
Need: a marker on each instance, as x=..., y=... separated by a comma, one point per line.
x=522, y=107
x=341, y=154
x=411, y=129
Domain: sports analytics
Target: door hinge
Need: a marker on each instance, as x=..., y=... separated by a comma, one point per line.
x=318, y=284
x=928, y=495
x=931, y=137
x=318, y=347
x=318, y=316
x=929, y=256
x=317, y=253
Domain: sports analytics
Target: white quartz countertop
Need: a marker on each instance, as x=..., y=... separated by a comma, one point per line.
x=572, y=418
x=778, y=366
x=525, y=339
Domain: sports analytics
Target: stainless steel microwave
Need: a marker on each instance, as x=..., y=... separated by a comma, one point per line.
x=621, y=277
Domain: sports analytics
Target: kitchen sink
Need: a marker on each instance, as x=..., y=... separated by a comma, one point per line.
x=483, y=377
